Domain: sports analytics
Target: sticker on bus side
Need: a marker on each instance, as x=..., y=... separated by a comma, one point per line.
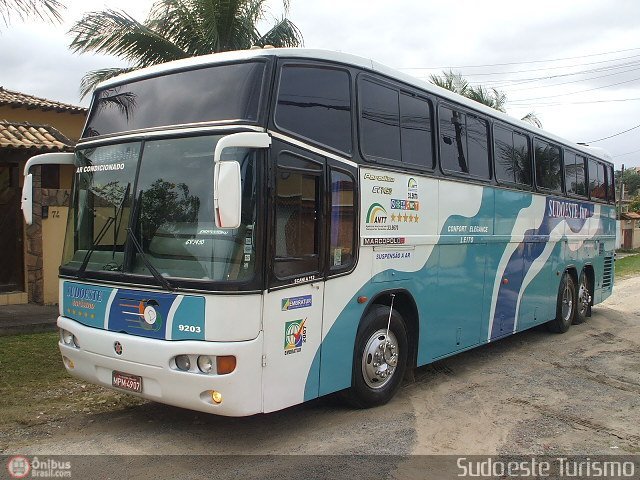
x=293, y=303
x=384, y=241
x=295, y=336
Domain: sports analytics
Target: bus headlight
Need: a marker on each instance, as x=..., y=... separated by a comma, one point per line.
x=69, y=338
x=183, y=362
x=205, y=364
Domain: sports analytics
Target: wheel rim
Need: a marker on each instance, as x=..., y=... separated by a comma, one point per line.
x=567, y=302
x=584, y=298
x=380, y=359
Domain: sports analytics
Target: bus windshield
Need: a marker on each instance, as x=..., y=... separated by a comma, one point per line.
x=179, y=98
x=161, y=193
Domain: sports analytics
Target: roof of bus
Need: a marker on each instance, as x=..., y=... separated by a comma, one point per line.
x=347, y=59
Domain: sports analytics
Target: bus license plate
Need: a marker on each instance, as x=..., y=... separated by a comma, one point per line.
x=126, y=381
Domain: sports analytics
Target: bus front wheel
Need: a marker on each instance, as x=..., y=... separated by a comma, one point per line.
x=379, y=360
x=566, y=306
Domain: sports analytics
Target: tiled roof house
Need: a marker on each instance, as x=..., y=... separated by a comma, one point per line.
x=31, y=125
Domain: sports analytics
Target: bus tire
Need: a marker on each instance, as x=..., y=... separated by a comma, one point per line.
x=378, y=370
x=583, y=308
x=566, y=305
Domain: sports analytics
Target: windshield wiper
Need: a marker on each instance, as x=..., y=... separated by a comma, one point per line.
x=156, y=274
x=103, y=231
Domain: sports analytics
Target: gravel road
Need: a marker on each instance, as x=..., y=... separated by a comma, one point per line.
x=533, y=393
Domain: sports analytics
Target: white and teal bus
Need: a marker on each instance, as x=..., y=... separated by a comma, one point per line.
x=250, y=230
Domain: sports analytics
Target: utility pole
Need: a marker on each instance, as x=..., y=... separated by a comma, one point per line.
x=621, y=191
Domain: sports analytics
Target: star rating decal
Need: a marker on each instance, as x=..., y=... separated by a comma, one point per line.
x=405, y=218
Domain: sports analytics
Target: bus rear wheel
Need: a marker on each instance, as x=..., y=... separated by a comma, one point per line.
x=566, y=306
x=379, y=360
x=584, y=299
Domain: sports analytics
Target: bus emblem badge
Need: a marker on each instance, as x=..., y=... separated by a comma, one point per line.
x=295, y=335
x=117, y=346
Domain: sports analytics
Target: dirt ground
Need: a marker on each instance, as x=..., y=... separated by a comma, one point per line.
x=534, y=393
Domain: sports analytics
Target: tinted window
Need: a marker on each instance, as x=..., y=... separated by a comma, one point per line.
x=522, y=153
x=176, y=226
x=464, y=143
x=224, y=92
x=380, y=121
x=297, y=233
x=477, y=141
x=581, y=176
x=548, y=166
x=597, y=185
x=512, y=159
x=316, y=104
x=415, y=122
x=574, y=175
x=343, y=217
x=453, y=140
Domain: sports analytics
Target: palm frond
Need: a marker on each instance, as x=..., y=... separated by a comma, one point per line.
x=491, y=98
x=177, y=29
x=181, y=23
x=116, y=33
x=47, y=10
x=93, y=78
x=282, y=34
x=452, y=81
x=533, y=119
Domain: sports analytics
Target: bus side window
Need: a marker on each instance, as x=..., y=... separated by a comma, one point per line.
x=416, y=131
x=379, y=121
x=597, y=184
x=512, y=157
x=297, y=232
x=342, y=218
x=315, y=103
x=464, y=143
x=548, y=166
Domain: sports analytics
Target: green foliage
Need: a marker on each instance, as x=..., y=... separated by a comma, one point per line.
x=491, y=97
x=35, y=387
x=631, y=180
x=628, y=266
x=177, y=29
x=634, y=206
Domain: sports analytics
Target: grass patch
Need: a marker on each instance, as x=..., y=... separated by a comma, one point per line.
x=36, y=389
x=628, y=266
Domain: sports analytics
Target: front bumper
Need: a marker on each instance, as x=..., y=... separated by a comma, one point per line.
x=96, y=359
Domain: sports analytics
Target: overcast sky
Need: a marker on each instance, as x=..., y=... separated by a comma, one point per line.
x=576, y=64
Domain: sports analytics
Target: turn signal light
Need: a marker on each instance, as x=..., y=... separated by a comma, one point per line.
x=225, y=364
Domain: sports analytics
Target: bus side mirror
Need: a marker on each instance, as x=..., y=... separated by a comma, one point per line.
x=227, y=179
x=26, y=202
x=227, y=198
x=27, y=199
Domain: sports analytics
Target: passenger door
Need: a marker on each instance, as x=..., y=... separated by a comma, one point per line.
x=293, y=303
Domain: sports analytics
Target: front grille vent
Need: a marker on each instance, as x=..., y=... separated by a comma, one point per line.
x=607, y=275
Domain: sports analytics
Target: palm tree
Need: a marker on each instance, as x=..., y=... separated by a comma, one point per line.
x=493, y=98
x=48, y=10
x=177, y=29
